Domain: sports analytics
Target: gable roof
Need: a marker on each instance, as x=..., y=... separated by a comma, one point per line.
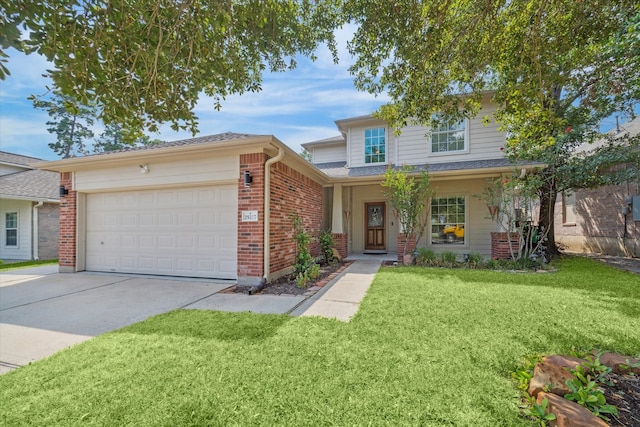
x=334, y=140
x=33, y=184
x=17, y=159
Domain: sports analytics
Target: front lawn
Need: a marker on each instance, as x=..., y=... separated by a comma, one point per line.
x=428, y=347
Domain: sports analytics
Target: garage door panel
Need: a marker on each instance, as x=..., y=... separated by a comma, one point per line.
x=188, y=232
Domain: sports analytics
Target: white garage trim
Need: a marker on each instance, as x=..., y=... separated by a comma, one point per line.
x=189, y=232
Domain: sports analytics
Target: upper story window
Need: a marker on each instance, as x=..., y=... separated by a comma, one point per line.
x=11, y=229
x=447, y=138
x=375, y=145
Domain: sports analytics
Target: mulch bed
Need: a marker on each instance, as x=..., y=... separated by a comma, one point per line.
x=286, y=285
x=624, y=395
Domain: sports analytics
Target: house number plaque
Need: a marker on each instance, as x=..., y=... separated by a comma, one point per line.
x=249, y=216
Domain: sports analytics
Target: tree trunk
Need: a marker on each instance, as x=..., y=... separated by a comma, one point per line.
x=548, y=195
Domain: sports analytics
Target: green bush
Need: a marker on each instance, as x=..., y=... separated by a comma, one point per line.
x=326, y=245
x=426, y=257
x=449, y=259
x=476, y=260
x=304, y=261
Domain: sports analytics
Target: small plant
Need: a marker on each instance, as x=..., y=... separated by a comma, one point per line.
x=475, y=261
x=539, y=411
x=426, y=257
x=586, y=392
x=304, y=261
x=326, y=245
x=448, y=259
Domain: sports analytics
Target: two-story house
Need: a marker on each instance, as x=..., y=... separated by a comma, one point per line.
x=459, y=158
x=221, y=206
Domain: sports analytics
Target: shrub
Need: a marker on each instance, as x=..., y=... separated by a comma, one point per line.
x=426, y=257
x=326, y=245
x=449, y=259
x=304, y=261
x=476, y=260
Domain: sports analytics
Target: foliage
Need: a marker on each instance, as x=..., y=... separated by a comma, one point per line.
x=476, y=260
x=448, y=259
x=113, y=138
x=408, y=191
x=554, y=70
x=539, y=411
x=146, y=62
x=426, y=257
x=585, y=387
x=326, y=245
x=303, y=268
x=518, y=196
x=71, y=122
x=306, y=154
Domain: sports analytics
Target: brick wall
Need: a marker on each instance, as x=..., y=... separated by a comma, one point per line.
x=600, y=224
x=48, y=230
x=292, y=191
x=67, y=240
x=251, y=234
x=410, y=247
x=340, y=242
x=500, y=246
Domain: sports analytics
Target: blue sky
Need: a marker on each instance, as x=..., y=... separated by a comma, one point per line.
x=296, y=106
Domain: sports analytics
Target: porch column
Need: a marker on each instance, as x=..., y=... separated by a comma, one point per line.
x=336, y=217
x=337, y=225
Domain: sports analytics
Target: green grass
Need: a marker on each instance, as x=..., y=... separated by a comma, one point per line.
x=26, y=264
x=429, y=347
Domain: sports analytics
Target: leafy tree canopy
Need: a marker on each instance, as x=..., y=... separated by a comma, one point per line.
x=554, y=68
x=145, y=62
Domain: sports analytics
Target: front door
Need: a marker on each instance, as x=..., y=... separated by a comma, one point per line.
x=374, y=222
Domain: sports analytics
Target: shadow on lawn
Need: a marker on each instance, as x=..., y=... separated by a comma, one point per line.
x=211, y=325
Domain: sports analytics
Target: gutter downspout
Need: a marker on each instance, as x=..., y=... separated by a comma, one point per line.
x=267, y=210
x=34, y=246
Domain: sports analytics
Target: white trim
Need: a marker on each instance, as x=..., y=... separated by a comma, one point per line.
x=465, y=243
x=5, y=229
x=431, y=153
x=364, y=146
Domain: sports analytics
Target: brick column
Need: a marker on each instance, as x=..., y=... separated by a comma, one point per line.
x=503, y=243
x=251, y=233
x=340, y=242
x=68, y=232
x=411, y=245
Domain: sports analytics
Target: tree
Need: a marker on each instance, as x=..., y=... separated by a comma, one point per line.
x=113, y=139
x=408, y=191
x=146, y=62
x=70, y=122
x=555, y=69
x=306, y=154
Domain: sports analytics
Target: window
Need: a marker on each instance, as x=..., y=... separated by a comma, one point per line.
x=446, y=138
x=448, y=220
x=568, y=208
x=11, y=229
x=375, y=147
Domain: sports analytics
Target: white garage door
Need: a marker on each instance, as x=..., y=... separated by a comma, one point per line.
x=177, y=232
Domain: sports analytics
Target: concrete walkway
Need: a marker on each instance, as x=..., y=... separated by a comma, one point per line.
x=340, y=299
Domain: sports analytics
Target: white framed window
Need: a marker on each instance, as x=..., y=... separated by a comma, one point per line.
x=11, y=229
x=375, y=145
x=450, y=138
x=448, y=220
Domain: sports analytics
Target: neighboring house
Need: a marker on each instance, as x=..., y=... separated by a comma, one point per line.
x=29, y=206
x=605, y=220
x=221, y=206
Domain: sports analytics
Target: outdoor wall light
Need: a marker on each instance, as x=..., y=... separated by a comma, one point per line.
x=248, y=179
x=144, y=168
x=626, y=210
x=63, y=191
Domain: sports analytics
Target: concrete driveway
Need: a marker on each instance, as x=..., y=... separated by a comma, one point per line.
x=42, y=311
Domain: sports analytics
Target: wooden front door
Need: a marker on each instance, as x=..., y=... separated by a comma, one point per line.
x=374, y=222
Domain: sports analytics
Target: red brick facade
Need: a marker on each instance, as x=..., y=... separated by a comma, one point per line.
x=340, y=241
x=410, y=245
x=251, y=234
x=292, y=192
x=599, y=223
x=67, y=240
x=500, y=247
